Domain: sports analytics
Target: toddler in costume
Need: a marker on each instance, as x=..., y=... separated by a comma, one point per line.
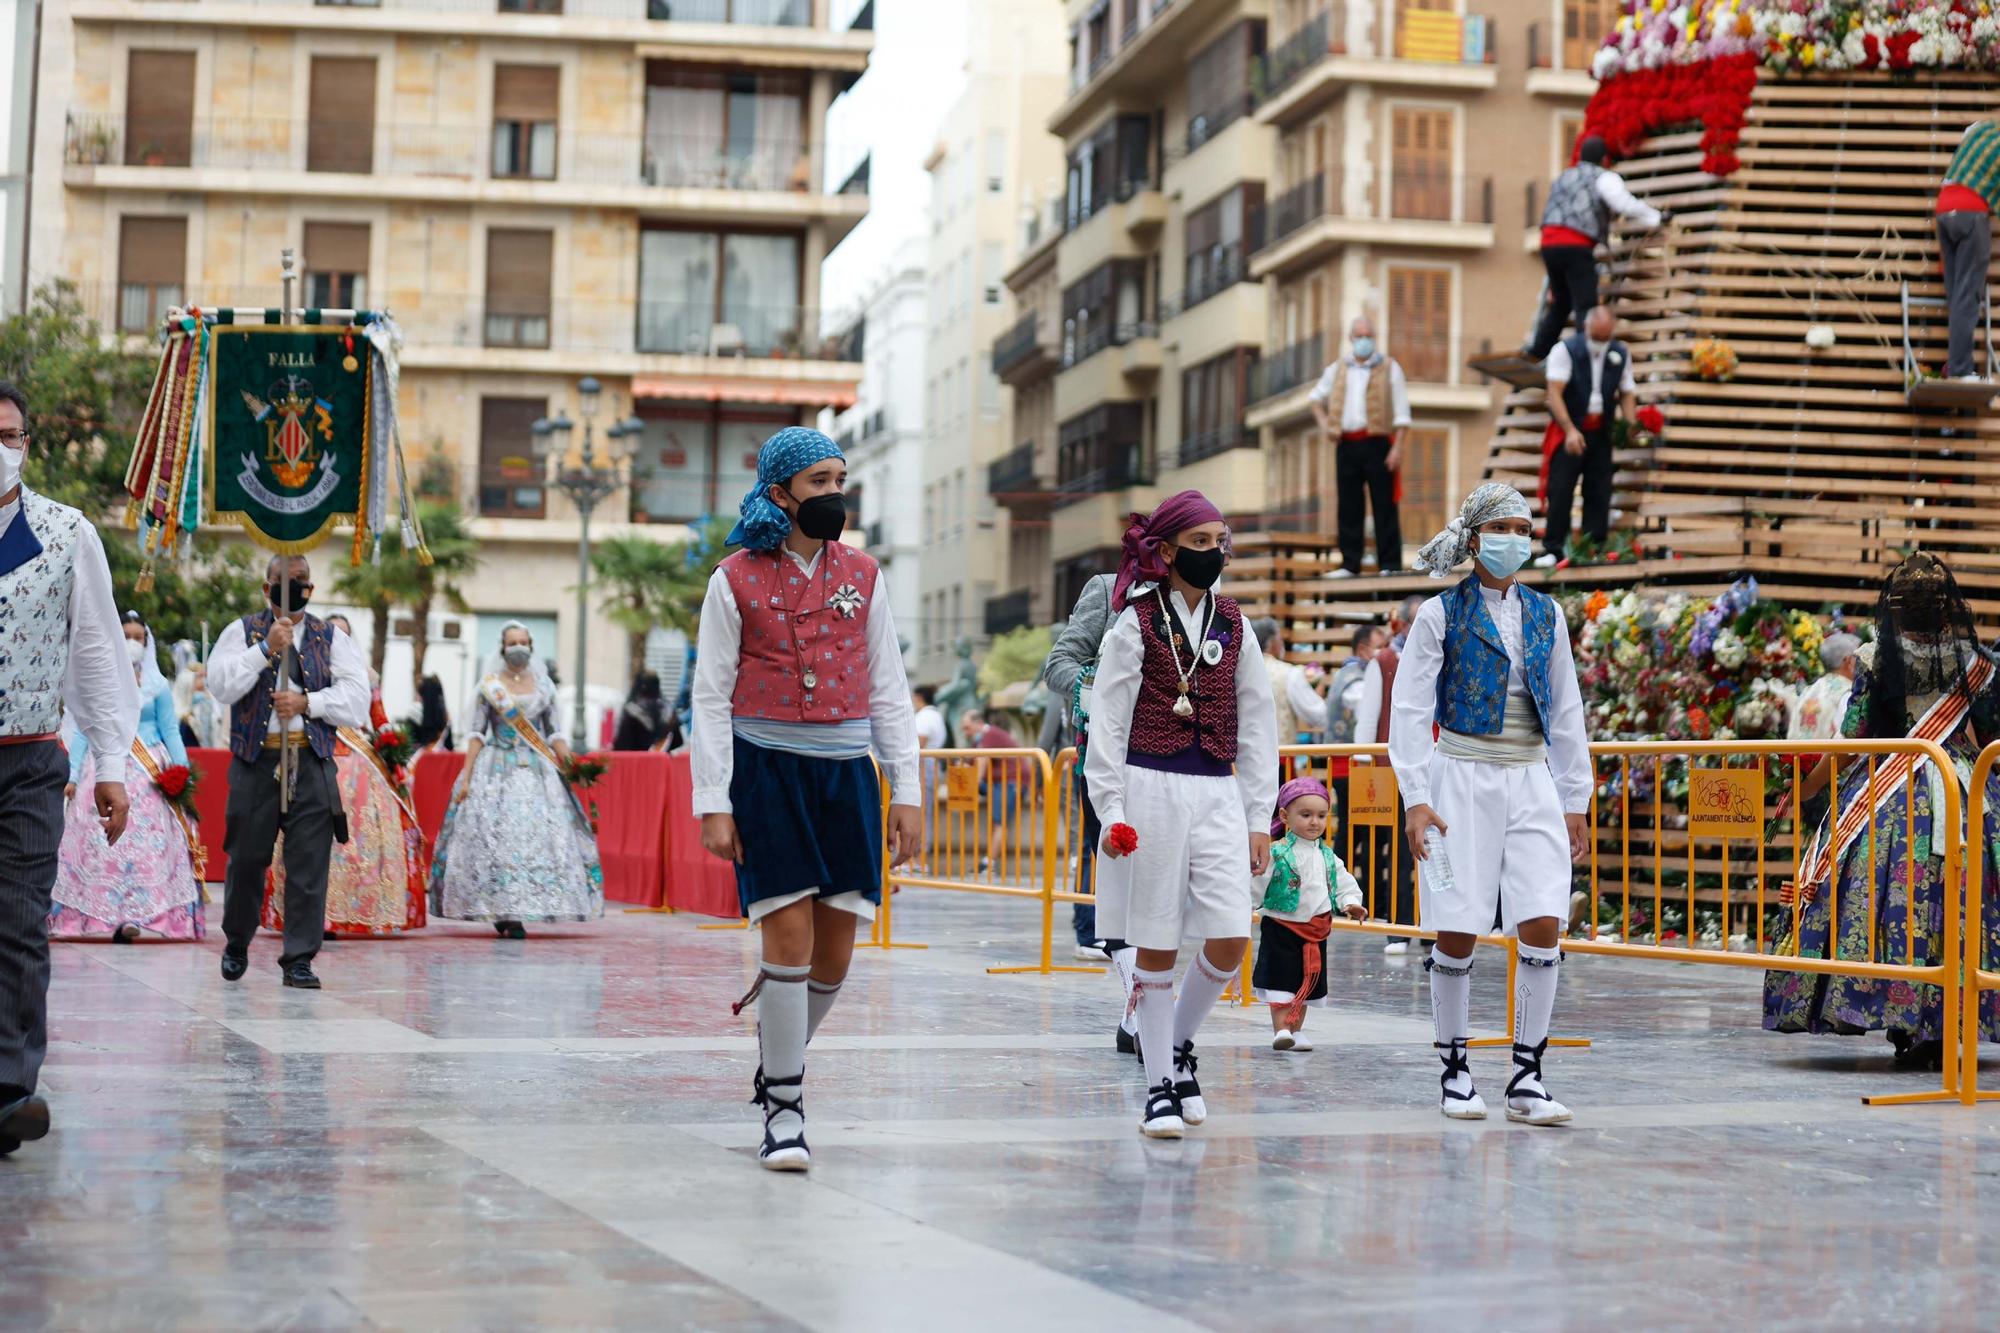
x=1182, y=768
x=1501, y=792
x=1305, y=885
x=800, y=676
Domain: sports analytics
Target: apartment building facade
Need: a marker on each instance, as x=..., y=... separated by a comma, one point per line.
x=992, y=151
x=539, y=190
x=1245, y=178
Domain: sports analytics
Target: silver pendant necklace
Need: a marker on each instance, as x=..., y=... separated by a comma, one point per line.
x=1184, y=706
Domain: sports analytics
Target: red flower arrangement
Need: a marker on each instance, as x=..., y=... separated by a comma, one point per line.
x=1642, y=102
x=393, y=746
x=177, y=782
x=1652, y=420
x=1122, y=839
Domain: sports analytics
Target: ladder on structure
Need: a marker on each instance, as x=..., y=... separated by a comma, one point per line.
x=1973, y=395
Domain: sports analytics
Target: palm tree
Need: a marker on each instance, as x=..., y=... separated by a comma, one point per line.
x=455, y=555
x=365, y=585
x=650, y=584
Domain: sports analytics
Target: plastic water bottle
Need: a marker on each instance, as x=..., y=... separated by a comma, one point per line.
x=1437, y=861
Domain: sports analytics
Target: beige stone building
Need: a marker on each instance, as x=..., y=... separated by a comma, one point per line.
x=539, y=190
x=1243, y=178
x=993, y=152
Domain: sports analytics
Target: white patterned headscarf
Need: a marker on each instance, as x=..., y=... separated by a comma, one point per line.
x=1493, y=501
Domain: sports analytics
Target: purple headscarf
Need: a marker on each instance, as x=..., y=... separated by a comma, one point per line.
x=1290, y=792
x=1141, y=561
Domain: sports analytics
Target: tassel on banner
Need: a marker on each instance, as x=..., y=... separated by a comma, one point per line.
x=144, y=583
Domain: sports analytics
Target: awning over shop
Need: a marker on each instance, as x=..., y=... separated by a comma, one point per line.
x=744, y=390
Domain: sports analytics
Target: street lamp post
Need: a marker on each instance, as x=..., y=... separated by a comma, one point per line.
x=587, y=479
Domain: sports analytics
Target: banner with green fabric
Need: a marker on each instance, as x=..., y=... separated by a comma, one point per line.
x=289, y=417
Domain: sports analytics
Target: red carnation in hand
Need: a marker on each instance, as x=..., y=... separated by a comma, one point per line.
x=1652, y=420
x=388, y=736
x=1122, y=840
x=174, y=779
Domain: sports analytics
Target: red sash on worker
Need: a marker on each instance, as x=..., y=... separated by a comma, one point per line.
x=1940, y=721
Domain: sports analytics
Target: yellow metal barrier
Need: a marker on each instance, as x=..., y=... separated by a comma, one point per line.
x=1976, y=968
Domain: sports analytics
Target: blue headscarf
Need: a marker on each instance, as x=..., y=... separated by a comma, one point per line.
x=763, y=525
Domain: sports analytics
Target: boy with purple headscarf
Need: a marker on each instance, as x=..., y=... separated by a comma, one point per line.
x=1182, y=768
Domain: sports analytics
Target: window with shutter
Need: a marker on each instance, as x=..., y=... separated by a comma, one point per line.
x=510, y=481
x=1585, y=22
x=525, y=101
x=1426, y=478
x=152, y=270
x=1420, y=165
x=517, y=287
x=336, y=265
x=1420, y=322
x=159, y=109
x=1569, y=128
x=340, y=115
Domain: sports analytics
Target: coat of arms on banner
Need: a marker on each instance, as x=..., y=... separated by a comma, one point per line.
x=291, y=420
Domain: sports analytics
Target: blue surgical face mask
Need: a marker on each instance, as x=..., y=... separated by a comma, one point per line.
x=1502, y=552
x=1364, y=349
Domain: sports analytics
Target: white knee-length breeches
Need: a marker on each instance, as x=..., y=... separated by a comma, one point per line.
x=1191, y=873
x=1507, y=844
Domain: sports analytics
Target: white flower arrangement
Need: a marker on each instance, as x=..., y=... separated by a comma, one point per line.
x=1730, y=650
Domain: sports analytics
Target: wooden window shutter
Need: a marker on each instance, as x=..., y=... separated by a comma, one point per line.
x=1420, y=322
x=159, y=108
x=1420, y=167
x=526, y=92
x=1426, y=475
x=336, y=247
x=152, y=252
x=1584, y=24
x=517, y=271
x=341, y=114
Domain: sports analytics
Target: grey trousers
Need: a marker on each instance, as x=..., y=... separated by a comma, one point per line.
x=251, y=833
x=1966, y=241
x=32, y=775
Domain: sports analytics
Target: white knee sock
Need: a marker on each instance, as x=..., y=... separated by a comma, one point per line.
x=1200, y=989
x=781, y=1038
x=1451, y=1004
x=1154, y=993
x=820, y=996
x=1124, y=962
x=1535, y=995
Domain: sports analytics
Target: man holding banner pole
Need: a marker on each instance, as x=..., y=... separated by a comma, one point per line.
x=327, y=688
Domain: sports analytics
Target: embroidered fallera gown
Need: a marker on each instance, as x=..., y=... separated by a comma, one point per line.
x=1808, y=1002
x=516, y=847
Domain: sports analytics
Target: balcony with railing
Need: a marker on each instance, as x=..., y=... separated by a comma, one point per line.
x=745, y=13
x=1559, y=58
x=1209, y=443
x=1024, y=352
x=1436, y=49
x=1016, y=483
x=1100, y=468
x=1285, y=370
x=1087, y=338
x=454, y=159
x=1215, y=270
x=1009, y=611
x=1415, y=205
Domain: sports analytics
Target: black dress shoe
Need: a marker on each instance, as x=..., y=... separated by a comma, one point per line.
x=234, y=965
x=23, y=1120
x=300, y=976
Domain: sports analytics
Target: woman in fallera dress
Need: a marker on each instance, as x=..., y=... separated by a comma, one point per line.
x=146, y=884
x=516, y=845
x=376, y=882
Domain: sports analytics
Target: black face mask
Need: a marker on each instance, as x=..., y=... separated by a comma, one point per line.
x=1199, y=568
x=822, y=518
x=301, y=594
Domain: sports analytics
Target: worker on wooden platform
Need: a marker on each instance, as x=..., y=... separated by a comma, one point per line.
x=1576, y=220
x=1362, y=405
x=1590, y=386
x=1965, y=207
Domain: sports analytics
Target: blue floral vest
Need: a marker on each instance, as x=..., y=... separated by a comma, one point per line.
x=250, y=716
x=1472, y=686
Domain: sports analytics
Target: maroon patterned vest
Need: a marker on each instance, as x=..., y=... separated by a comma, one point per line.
x=1156, y=731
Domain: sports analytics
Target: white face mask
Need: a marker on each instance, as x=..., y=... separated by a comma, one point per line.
x=135, y=650
x=1598, y=347
x=10, y=467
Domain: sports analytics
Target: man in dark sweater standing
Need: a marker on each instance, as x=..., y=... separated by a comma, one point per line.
x=1590, y=384
x=1965, y=238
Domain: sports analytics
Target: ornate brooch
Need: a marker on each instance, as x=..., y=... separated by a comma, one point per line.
x=847, y=600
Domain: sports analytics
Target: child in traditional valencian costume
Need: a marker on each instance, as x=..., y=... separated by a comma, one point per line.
x=1182, y=767
x=1306, y=885
x=798, y=677
x=1497, y=802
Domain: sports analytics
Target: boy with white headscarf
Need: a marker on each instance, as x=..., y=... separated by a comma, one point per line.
x=1496, y=804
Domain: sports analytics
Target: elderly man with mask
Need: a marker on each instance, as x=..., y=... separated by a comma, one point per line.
x=1590, y=387
x=1362, y=404
x=61, y=647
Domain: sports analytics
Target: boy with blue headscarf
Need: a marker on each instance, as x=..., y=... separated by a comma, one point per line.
x=799, y=677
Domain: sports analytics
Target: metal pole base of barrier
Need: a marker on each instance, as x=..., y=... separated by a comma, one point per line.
x=893, y=944
x=651, y=911
x=1493, y=1043
x=1927, y=1098
x=1039, y=970
x=724, y=925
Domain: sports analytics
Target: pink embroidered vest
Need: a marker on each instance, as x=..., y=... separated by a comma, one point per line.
x=804, y=656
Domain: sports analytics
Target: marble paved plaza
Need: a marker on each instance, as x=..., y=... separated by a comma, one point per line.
x=461, y=1132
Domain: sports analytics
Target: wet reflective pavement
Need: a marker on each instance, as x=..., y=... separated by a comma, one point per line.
x=463, y=1132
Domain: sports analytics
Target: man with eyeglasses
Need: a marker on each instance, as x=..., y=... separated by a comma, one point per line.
x=61, y=647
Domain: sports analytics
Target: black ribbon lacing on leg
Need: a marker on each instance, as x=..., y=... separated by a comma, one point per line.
x=1528, y=1064
x=1453, y=1053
